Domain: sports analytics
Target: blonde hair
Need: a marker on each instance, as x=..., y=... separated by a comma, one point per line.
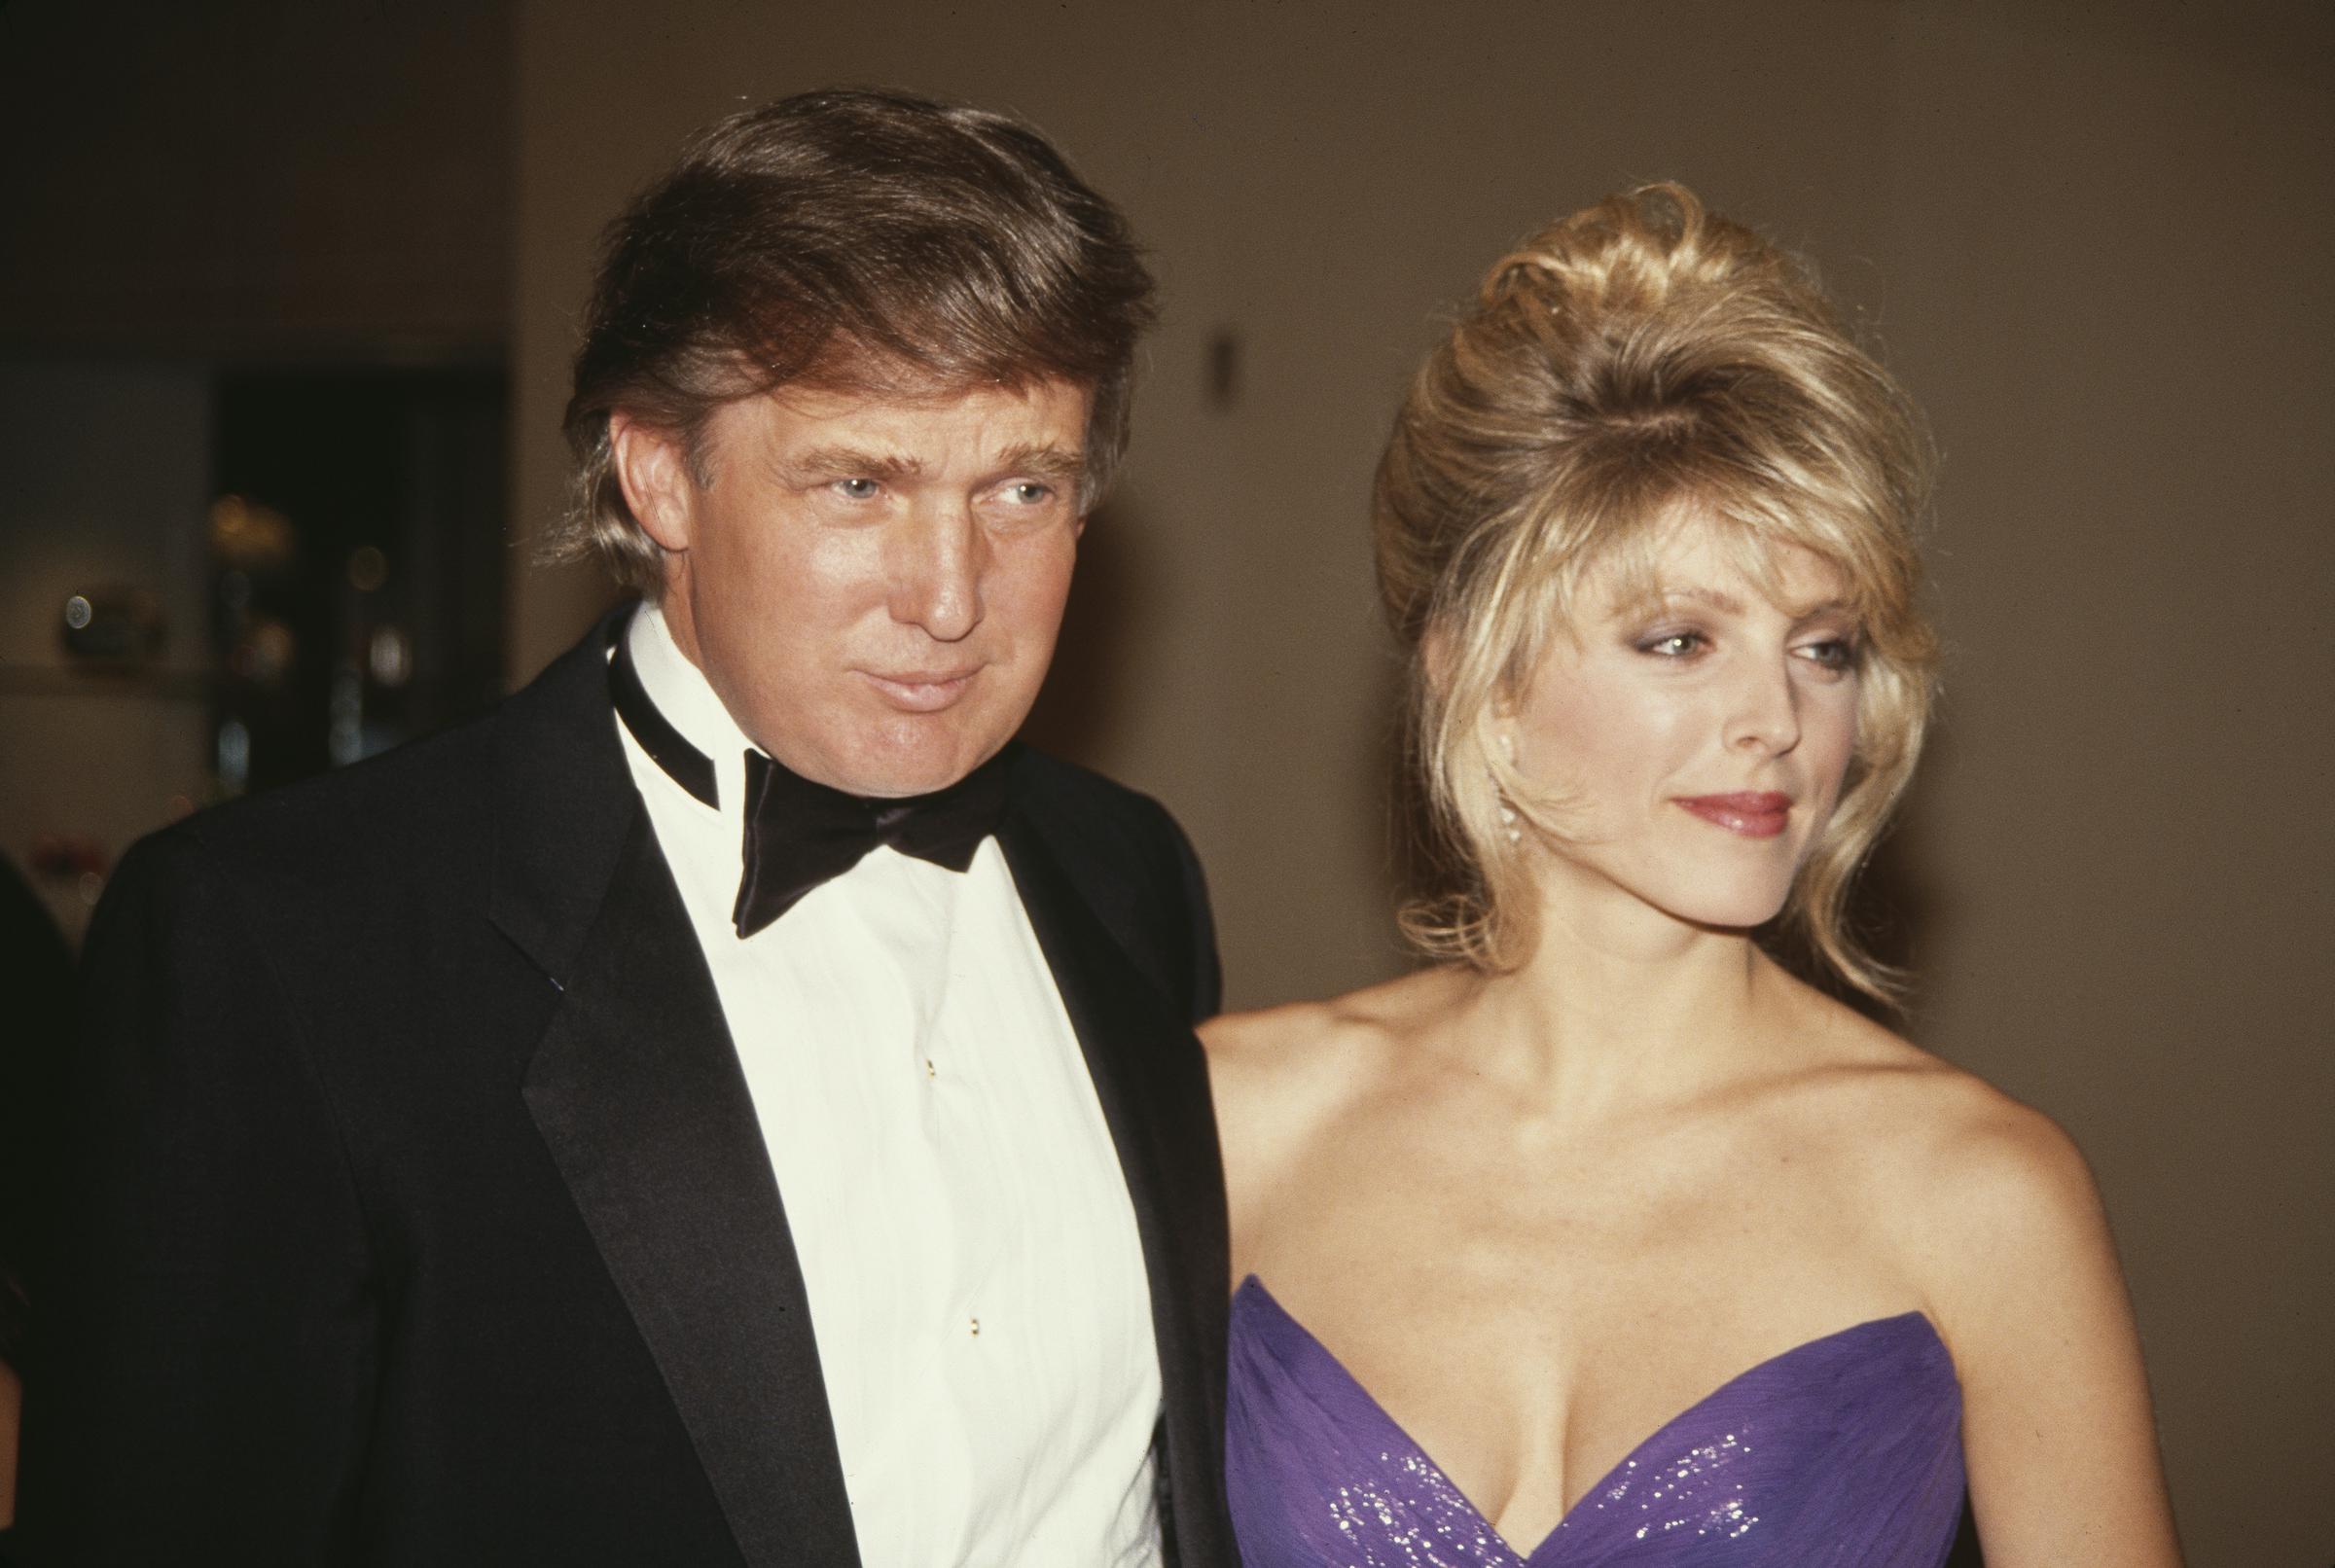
x=1638, y=362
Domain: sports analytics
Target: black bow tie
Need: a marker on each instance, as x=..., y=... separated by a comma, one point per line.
x=800, y=834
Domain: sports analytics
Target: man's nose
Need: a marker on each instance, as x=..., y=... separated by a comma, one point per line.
x=1764, y=707
x=937, y=573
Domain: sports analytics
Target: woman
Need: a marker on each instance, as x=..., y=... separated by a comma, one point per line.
x=1606, y=1239
x=32, y=1044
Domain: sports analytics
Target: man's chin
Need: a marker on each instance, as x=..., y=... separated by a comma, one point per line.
x=929, y=763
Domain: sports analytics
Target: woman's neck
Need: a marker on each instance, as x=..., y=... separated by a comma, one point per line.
x=1620, y=1003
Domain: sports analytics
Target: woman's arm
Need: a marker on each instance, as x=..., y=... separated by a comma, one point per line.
x=2057, y=1429
x=1273, y=1076
x=12, y=1406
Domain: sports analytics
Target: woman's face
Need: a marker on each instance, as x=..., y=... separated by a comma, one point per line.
x=1692, y=748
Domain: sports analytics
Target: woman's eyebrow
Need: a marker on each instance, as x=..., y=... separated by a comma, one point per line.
x=1728, y=604
x=1717, y=598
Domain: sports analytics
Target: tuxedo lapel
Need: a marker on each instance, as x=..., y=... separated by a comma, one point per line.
x=639, y=1097
x=1153, y=1089
x=637, y=1092
x=1117, y=1012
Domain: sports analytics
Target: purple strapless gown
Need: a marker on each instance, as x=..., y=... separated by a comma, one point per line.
x=1846, y=1452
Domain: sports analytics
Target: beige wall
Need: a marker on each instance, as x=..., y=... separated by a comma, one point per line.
x=2095, y=245
x=2111, y=280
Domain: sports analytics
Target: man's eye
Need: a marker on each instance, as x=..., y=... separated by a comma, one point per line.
x=1028, y=493
x=856, y=489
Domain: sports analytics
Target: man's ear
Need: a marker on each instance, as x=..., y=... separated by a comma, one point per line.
x=653, y=472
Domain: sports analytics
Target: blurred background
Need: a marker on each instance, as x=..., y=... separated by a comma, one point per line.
x=286, y=298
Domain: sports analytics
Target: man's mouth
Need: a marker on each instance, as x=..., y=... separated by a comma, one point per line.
x=923, y=691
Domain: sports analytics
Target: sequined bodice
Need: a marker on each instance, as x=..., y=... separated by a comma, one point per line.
x=1845, y=1451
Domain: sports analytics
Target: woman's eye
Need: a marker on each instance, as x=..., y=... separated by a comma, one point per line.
x=1832, y=654
x=1673, y=643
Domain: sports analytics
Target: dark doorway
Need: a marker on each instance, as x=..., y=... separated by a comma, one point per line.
x=356, y=550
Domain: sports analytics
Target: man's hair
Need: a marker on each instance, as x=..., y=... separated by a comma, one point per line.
x=1639, y=364
x=856, y=241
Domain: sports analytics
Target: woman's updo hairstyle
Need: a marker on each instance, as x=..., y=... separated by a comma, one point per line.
x=1637, y=365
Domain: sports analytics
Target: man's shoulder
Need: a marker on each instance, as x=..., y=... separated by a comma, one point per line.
x=1089, y=815
x=410, y=811
x=387, y=816
x=1133, y=865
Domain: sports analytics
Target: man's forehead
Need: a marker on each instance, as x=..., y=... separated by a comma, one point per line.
x=1041, y=425
x=845, y=366
x=1041, y=397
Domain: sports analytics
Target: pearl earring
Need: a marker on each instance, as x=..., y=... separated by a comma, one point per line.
x=1508, y=819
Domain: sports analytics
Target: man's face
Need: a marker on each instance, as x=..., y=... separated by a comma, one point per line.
x=872, y=584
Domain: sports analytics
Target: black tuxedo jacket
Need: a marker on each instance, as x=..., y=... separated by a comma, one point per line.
x=419, y=1214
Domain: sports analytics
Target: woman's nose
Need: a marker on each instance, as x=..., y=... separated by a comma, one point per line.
x=1765, y=708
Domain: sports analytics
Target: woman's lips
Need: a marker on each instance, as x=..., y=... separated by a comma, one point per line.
x=922, y=691
x=1752, y=813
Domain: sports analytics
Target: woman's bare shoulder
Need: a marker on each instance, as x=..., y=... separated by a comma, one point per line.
x=1959, y=1137
x=1295, y=1037
x=1962, y=1174
x=1279, y=1073
x=1992, y=1214
x=1999, y=1182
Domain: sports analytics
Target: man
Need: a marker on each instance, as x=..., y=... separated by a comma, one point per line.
x=493, y=1163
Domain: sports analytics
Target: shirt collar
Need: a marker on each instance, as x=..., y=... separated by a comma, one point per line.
x=687, y=700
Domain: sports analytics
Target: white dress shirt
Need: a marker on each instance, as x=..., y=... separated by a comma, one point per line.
x=965, y=1234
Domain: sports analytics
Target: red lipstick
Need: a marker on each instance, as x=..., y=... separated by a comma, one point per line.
x=1752, y=813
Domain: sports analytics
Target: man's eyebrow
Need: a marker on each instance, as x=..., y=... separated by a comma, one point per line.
x=850, y=462
x=1044, y=459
